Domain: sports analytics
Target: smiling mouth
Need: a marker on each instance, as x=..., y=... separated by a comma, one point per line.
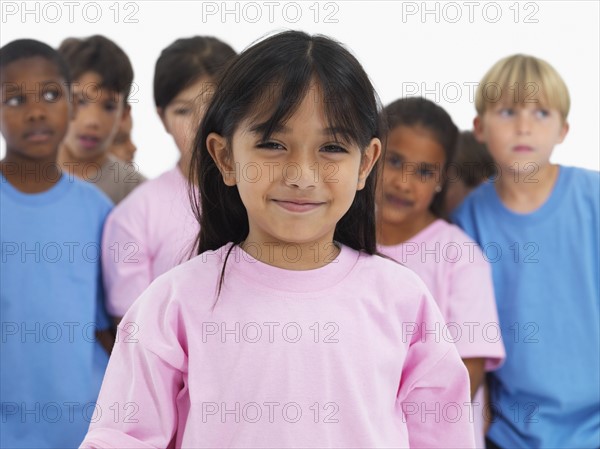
x=398, y=202
x=298, y=205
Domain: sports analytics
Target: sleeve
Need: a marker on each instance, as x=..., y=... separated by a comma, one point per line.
x=472, y=317
x=434, y=393
x=126, y=258
x=137, y=405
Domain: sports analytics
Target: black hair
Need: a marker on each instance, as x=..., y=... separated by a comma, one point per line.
x=30, y=48
x=185, y=61
x=420, y=112
x=102, y=56
x=472, y=160
x=272, y=77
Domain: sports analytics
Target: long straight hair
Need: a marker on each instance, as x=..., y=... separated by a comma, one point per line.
x=271, y=78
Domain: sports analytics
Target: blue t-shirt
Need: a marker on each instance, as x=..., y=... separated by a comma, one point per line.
x=51, y=365
x=546, y=274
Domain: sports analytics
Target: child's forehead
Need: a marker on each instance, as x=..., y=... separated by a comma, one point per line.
x=31, y=70
x=93, y=81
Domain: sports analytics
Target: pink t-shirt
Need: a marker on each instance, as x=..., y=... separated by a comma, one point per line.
x=147, y=234
x=460, y=279
x=340, y=356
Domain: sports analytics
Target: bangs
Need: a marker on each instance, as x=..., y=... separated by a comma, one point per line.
x=523, y=80
x=279, y=99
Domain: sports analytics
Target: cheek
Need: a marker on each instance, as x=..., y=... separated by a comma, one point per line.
x=425, y=193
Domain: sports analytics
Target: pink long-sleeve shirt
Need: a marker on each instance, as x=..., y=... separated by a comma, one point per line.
x=346, y=355
x=147, y=234
x=454, y=269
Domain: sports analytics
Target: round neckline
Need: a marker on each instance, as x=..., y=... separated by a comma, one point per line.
x=549, y=206
x=50, y=195
x=292, y=281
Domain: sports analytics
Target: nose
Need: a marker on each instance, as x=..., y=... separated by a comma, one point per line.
x=523, y=122
x=37, y=111
x=88, y=116
x=304, y=173
x=404, y=178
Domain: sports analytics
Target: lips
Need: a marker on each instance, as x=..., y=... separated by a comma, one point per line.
x=38, y=135
x=88, y=141
x=298, y=205
x=522, y=149
x=397, y=201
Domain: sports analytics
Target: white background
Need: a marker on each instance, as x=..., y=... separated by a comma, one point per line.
x=406, y=47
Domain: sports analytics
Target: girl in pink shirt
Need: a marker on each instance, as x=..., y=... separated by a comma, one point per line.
x=154, y=228
x=420, y=147
x=286, y=330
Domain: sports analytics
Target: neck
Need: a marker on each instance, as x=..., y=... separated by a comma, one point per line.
x=30, y=176
x=292, y=256
x=526, y=191
x=184, y=166
x=389, y=233
x=82, y=169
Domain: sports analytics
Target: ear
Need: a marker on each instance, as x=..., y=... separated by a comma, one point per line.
x=478, y=129
x=563, y=132
x=161, y=113
x=369, y=158
x=126, y=113
x=217, y=148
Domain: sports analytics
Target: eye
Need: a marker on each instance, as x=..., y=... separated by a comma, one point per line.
x=270, y=146
x=51, y=95
x=14, y=101
x=110, y=106
x=506, y=112
x=393, y=161
x=333, y=148
x=426, y=173
x=182, y=111
x=542, y=113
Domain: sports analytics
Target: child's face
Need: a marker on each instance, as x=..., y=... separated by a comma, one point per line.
x=122, y=146
x=182, y=115
x=520, y=137
x=412, y=174
x=35, y=108
x=99, y=114
x=299, y=183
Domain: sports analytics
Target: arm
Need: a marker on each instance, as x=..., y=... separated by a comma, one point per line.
x=434, y=389
x=137, y=405
x=475, y=366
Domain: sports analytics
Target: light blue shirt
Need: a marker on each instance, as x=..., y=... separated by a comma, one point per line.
x=51, y=365
x=546, y=273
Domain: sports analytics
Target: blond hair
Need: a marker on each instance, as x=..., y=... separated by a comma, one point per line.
x=523, y=79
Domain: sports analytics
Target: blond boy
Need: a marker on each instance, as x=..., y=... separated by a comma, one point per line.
x=538, y=225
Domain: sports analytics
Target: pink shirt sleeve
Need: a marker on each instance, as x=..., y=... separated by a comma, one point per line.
x=472, y=319
x=434, y=393
x=126, y=259
x=137, y=405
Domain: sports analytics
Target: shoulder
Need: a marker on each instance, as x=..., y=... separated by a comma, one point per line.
x=475, y=203
x=90, y=195
x=583, y=177
x=143, y=198
x=193, y=281
x=385, y=273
